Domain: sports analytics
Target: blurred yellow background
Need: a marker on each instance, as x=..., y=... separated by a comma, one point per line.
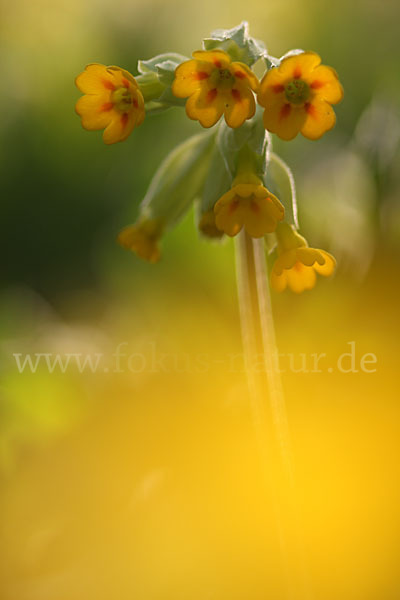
x=144, y=480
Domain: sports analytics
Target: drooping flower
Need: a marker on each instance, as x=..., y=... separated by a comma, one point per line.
x=297, y=264
x=143, y=238
x=208, y=227
x=297, y=97
x=112, y=101
x=248, y=203
x=215, y=86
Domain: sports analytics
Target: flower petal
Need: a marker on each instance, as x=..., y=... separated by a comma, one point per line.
x=279, y=282
x=261, y=216
x=206, y=106
x=299, y=66
x=309, y=256
x=320, y=119
x=284, y=119
x=239, y=105
x=120, y=127
x=189, y=77
x=244, y=74
x=96, y=112
x=325, y=83
x=219, y=58
x=284, y=262
x=328, y=267
x=301, y=278
x=95, y=79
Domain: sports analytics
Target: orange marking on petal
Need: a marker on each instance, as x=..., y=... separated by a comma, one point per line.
x=236, y=95
x=298, y=266
x=297, y=72
x=124, y=119
x=108, y=84
x=125, y=82
x=316, y=84
x=240, y=74
x=218, y=64
x=211, y=95
x=278, y=88
x=285, y=111
x=310, y=110
x=135, y=103
x=255, y=207
x=201, y=75
x=233, y=206
x=106, y=107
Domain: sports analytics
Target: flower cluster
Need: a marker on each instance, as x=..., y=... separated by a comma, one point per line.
x=228, y=169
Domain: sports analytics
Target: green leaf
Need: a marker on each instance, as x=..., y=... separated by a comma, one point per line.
x=237, y=43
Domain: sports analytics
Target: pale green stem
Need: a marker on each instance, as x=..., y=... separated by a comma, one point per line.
x=268, y=406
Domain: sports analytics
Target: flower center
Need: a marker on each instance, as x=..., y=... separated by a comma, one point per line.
x=297, y=91
x=122, y=99
x=222, y=78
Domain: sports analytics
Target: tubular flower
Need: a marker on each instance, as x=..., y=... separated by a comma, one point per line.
x=215, y=86
x=250, y=205
x=297, y=264
x=112, y=101
x=297, y=97
x=208, y=227
x=142, y=238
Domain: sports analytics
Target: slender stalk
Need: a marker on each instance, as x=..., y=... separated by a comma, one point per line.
x=268, y=407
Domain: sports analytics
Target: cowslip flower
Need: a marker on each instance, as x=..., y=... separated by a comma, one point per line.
x=297, y=97
x=143, y=239
x=249, y=205
x=215, y=86
x=112, y=101
x=297, y=265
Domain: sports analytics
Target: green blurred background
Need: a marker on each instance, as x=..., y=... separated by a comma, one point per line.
x=81, y=452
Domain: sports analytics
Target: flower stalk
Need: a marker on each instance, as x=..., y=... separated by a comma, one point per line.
x=269, y=410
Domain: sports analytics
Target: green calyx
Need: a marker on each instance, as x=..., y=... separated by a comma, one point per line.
x=150, y=86
x=297, y=91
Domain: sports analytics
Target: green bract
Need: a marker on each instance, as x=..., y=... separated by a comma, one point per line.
x=237, y=43
x=178, y=181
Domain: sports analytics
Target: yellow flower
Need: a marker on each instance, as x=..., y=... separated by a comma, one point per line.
x=297, y=97
x=297, y=264
x=112, y=101
x=250, y=205
x=215, y=86
x=142, y=238
x=207, y=225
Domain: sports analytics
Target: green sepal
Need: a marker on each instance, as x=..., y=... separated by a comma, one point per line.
x=279, y=180
x=237, y=43
x=231, y=141
x=178, y=181
x=217, y=183
x=155, y=80
x=163, y=64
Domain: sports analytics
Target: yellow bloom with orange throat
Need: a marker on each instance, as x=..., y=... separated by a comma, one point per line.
x=112, y=101
x=215, y=86
x=297, y=97
x=250, y=205
x=297, y=265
